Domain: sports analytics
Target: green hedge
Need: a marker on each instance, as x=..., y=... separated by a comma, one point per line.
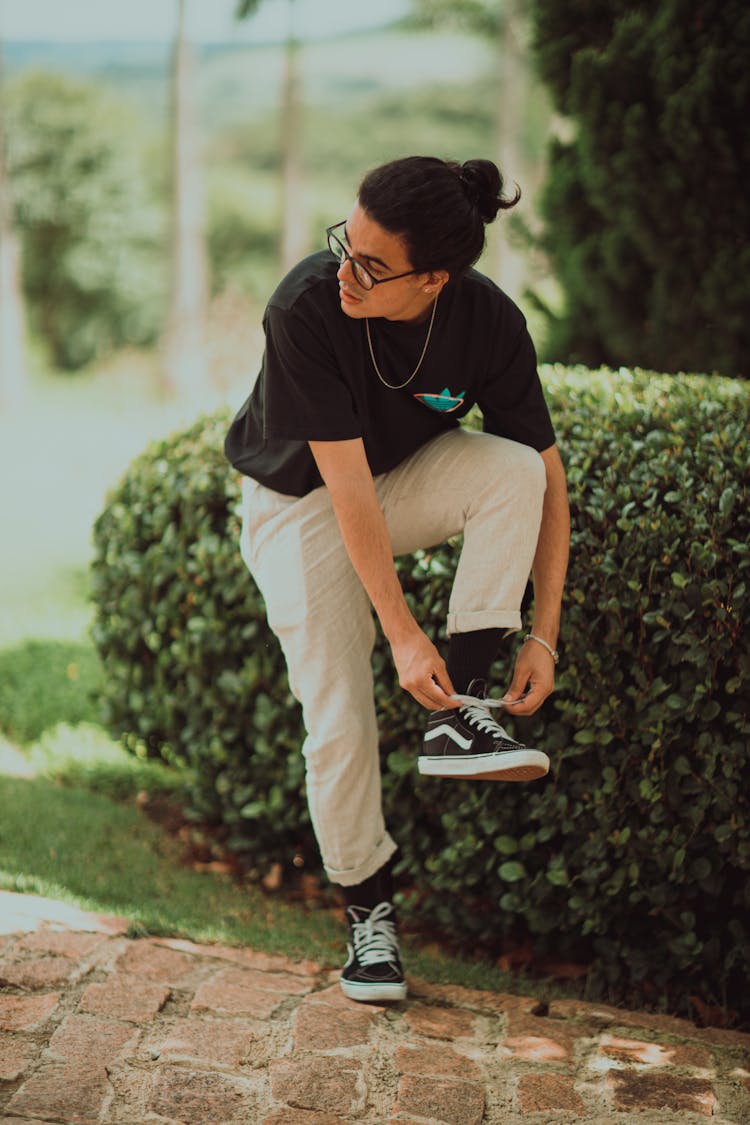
x=635, y=852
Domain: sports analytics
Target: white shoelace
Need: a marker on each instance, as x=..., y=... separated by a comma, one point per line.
x=477, y=712
x=375, y=938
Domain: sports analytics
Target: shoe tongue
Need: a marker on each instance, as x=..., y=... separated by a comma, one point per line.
x=362, y=913
x=477, y=688
x=357, y=913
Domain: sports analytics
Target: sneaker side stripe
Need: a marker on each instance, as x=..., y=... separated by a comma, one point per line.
x=451, y=733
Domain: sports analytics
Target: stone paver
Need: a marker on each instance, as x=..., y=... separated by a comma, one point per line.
x=659, y=1091
x=45, y=972
x=202, y=1096
x=549, y=1092
x=149, y=961
x=447, y=1100
x=321, y=1027
x=26, y=1013
x=224, y=1044
x=436, y=1060
x=16, y=1057
x=437, y=1023
x=125, y=997
x=320, y=1082
x=72, y=1081
x=99, y=1029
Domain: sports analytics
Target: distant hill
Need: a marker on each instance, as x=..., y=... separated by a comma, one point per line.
x=241, y=80
x=86, y=58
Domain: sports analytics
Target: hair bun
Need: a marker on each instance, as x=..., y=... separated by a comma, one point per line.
x=483, y=185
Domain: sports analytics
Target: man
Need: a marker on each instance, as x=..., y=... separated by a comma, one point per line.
x=352, y=452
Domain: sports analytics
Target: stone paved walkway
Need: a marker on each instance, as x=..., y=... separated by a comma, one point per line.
x=98, y=1029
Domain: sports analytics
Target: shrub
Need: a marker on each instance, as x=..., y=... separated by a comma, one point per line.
x=81, y=756
x=193, y=674
x=635, y=851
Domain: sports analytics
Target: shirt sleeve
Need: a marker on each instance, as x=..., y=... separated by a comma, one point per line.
x=512, y=399
x=306, y=395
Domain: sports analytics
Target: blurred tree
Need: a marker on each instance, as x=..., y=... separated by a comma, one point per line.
x=185, y=363
x=242, y=177
x=646, y=205
x=293, y=243
x=12, y=345
x=505, y=24
x=89, y=227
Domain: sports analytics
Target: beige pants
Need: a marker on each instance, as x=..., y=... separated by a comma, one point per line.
x=488, y=488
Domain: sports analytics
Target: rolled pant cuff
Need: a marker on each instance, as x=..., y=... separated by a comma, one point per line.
x=508, y=619
x=350, y=876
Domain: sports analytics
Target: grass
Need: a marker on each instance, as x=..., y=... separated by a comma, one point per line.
x=75, y=832
x=73, y=825
x=43, y=683
x=84, y=848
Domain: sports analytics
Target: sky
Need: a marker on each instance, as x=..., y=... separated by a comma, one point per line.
x=208, y=20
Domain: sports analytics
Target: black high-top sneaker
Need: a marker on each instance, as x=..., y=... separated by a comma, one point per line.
x=373, y=968
x=468, y=743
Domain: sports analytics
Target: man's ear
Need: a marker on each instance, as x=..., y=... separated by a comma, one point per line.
x=435, y=280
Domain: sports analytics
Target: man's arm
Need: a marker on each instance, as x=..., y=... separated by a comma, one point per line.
x=347, y=476
x=534, y=665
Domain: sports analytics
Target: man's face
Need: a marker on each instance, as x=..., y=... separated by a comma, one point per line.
x=383, y=255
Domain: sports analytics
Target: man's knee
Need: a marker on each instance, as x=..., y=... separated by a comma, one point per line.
x=342, y=746
x=534, y=471
x=516, y=468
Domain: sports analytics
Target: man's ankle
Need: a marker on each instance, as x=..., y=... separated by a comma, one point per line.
x=470, y=656
x=373, y=890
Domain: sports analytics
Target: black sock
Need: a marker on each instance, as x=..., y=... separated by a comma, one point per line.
x=470, y=656
x=374, y=890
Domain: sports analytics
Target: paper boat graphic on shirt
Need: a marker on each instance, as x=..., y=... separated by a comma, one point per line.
x=445, y=401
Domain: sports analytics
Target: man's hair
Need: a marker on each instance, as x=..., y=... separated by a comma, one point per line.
x=439, y=208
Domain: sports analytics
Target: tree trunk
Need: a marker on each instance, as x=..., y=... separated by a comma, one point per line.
x=185, y=364
x=293, y=220
x=507, y=263
x=13, y=373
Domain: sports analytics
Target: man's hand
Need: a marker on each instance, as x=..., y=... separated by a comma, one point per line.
x=533, y=679
x=422, y=672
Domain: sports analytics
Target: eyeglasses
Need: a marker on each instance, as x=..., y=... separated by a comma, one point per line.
x=362, y=276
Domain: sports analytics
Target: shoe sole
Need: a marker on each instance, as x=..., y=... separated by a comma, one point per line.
x=508, y=765
x=383, y=991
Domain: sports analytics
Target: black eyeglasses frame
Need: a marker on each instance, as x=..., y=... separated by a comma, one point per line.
x=340, y=251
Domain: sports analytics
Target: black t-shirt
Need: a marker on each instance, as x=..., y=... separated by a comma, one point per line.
x=317, y=381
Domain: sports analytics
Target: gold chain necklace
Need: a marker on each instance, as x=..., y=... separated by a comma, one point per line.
x=398, y=386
